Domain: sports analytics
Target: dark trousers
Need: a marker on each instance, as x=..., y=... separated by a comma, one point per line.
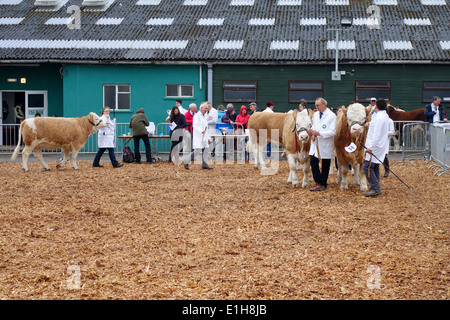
x=320, y=177
x=148, y=148
x=372, y=173
x=112, y=156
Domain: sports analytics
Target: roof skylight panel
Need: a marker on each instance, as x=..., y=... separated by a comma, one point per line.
x=229, y=44
x=242, y=2
x=210, y=22
x=289, y=2
x=10, y=20
x=109, y=21
x=195, y=2
x=343, y=45
x=366, y=22
x=261, y=22
x=337, y=2
x=148, y=2
x=417, y=22
x=160, y=21
x=10, y=2
x=284, y=45
x=397, y=45
x=445, y=45
x=59, y=21
x=313, y=21
x=433, y=2
x=385, y=2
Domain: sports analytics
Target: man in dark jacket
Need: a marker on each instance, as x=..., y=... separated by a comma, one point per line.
x=138, y=124
x=434, y=112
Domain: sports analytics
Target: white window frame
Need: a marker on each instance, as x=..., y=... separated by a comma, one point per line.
x=116, y=107
x=179, y=90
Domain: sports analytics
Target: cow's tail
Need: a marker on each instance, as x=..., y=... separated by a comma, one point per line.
x=17, y=149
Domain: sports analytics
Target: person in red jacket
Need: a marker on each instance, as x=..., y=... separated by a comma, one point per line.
x=242, y=121
x=243, y=117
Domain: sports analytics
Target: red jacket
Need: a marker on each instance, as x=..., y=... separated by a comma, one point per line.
x=242, y=118
x=189, y=120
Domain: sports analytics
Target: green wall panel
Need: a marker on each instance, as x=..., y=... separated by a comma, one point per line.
x=406, y=82
x=83, y=88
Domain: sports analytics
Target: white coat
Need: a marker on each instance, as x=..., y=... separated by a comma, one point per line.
x=327, y=129
x=107, y=135
x=200, y=124
x=377, y=137
x=212, y=118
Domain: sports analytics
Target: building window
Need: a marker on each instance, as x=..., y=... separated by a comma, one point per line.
x=431, y=89
x=239, y=91
x=179, y=90
x=117, y=96
x=305, y=90
x=364, y=90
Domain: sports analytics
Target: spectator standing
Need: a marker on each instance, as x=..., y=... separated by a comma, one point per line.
x=220, y=113
x=302, y=106
x=253, y=108
x=107, y=140
x=178, y=123
x=322, y=145
x=212, y=116
x=138, y=124
x=242, y=118
x=269, y=107
x=434, y=112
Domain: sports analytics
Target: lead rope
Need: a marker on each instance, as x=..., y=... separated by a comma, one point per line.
x=315, y=139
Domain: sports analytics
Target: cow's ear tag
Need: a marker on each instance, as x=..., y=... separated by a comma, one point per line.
x=350, y=148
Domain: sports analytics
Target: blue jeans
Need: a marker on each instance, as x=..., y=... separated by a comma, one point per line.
x=112, y=156
x=374, y=177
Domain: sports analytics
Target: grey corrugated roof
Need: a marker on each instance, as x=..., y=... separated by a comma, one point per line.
x=184, y=40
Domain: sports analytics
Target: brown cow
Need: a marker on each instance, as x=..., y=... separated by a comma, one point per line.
x=350, y=127
x=70, y=134
x=287, y=129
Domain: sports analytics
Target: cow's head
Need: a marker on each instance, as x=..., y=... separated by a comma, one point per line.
x=95, y=121
x=303, y=123
x=357, y=116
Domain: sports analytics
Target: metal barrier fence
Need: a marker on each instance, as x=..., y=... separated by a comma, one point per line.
x=413, y=136
x=440, y=148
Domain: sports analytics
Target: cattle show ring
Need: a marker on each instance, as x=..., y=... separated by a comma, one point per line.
x=162, y=232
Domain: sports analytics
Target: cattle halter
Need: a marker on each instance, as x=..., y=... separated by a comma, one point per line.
x=95, y=125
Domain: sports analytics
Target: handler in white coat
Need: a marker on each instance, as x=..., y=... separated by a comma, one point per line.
x=322, y=147
x=107, y=140
x=200, y=137
x=377, y=143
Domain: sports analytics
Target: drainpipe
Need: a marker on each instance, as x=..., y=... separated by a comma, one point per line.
x=210, y=83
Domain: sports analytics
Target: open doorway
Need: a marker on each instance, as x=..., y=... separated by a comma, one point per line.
x=16, y=107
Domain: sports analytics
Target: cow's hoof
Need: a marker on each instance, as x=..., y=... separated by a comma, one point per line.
x=58, y=166
x=24, y=170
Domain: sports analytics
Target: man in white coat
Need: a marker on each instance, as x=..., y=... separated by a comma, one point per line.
x=200, y=138
x=212, y=116
x=107, y=140
x=322, y=147
x=377, y=143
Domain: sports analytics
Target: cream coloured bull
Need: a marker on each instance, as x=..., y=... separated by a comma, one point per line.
x=350, y=127
x=287, y=129
x=70, y=134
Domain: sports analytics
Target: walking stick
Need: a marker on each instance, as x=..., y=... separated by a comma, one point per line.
x=388, y=168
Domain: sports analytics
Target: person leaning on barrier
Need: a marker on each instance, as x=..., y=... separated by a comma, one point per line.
x=176, y=134
x=434, y=112
x=138, y=124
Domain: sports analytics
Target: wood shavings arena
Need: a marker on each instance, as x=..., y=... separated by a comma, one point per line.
x=162, y=232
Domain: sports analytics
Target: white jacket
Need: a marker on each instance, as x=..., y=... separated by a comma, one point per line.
x=212, y=117
x=199, y=124
x=377, y=137
x=327, y=128
x=107, y=135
